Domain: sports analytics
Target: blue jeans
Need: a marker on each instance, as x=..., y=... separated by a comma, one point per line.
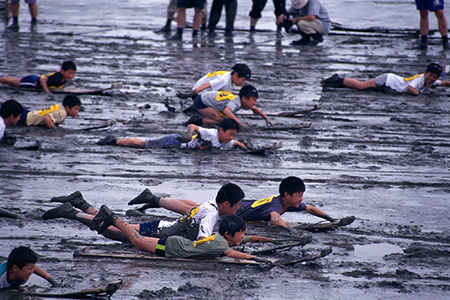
x=164, y=142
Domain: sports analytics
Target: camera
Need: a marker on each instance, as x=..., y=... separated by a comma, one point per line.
x=287, y=23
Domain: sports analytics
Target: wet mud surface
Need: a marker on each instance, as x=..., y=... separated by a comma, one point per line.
x=382, y=157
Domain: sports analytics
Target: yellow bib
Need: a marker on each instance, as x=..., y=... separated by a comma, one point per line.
x=47, y=110
x=210, y=238
x=224, y=95
x=262, y=201
x=212, y=74
x=412, y=77
x=190, y=214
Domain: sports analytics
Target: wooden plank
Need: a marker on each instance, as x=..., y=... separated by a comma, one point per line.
x=149, y=256
x=94, y=293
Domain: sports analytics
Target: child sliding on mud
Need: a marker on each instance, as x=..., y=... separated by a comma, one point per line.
x=47, y=82
x=52, y=116
x=231, y=233
x=216, y=106
x=415, y=85
x=268, y=209
x=219, y=81
x=197, y=223
x=19, y=267
x=198, y=138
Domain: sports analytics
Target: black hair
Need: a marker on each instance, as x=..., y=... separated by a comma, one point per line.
x=248, y=91
x=11, y=107
x=231, y=224
x=228, y=124
x=242, y=70
x=71, y=101
x=230, y=192
x=435, y=69
x=68, y=65
x=21, y=256
x=291, y=185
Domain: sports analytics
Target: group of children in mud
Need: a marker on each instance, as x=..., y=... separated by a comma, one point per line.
x=192, y=234
x=189, y=236
x=212, y=98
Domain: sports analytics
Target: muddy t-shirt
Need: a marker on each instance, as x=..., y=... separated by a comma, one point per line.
x=260, y=210
x=207, y=137
x=221, y=100
x=220, y=81
x=400, y=84
x=2, y=127
x=4, y=284
x=199, y=222
x=57, y=114
x=55, y=81
x=212, y=246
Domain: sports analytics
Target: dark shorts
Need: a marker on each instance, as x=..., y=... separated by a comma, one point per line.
x=161, y=247
x=149, y=229
x=431, y=5
x=257, y=7
x=191, y=3
x=23, y=118
x=167, y=141
x=198, y=103
x=29, y=81
x=26, y=1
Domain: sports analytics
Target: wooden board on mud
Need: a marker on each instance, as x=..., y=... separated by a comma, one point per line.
x=323, y=225
x=149, y=256
x=94, y=293
x=73, y=90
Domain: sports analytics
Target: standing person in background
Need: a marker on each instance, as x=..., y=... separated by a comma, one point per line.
x=216, y=11
x=198, y=6
x=15, y=5
x=172, y=9
x=257, y=8
x=436, y=6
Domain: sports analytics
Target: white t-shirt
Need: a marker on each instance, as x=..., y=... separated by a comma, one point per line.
x=203, y=217
x=221, y=100
x=206, y=136
x=399, y=83
x=220, y=81
x=2, y=127
x=4, y=277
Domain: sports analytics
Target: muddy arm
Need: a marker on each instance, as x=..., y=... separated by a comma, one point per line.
x=413, y=90
x=38, y=271
x=276, y=220
x=259, y=239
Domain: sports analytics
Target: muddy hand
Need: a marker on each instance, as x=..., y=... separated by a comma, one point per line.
x=186, y=95
x=262, y=260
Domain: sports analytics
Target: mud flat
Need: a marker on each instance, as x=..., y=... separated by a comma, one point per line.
x=379, y=156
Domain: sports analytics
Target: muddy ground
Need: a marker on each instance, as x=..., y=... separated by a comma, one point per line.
x=379, y=156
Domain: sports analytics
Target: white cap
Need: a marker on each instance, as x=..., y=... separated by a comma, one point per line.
x=298, y=4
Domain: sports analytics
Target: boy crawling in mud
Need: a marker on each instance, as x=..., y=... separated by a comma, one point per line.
x=19, y=267
x=52, y=116
x=196, y=223
x=198, y=138
x=268, y=209
x=219, y=81
x=415, y=85
x=215, y=106
x=47, y=82
x=10, y=112
x=231, y=233
x=291, y=191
